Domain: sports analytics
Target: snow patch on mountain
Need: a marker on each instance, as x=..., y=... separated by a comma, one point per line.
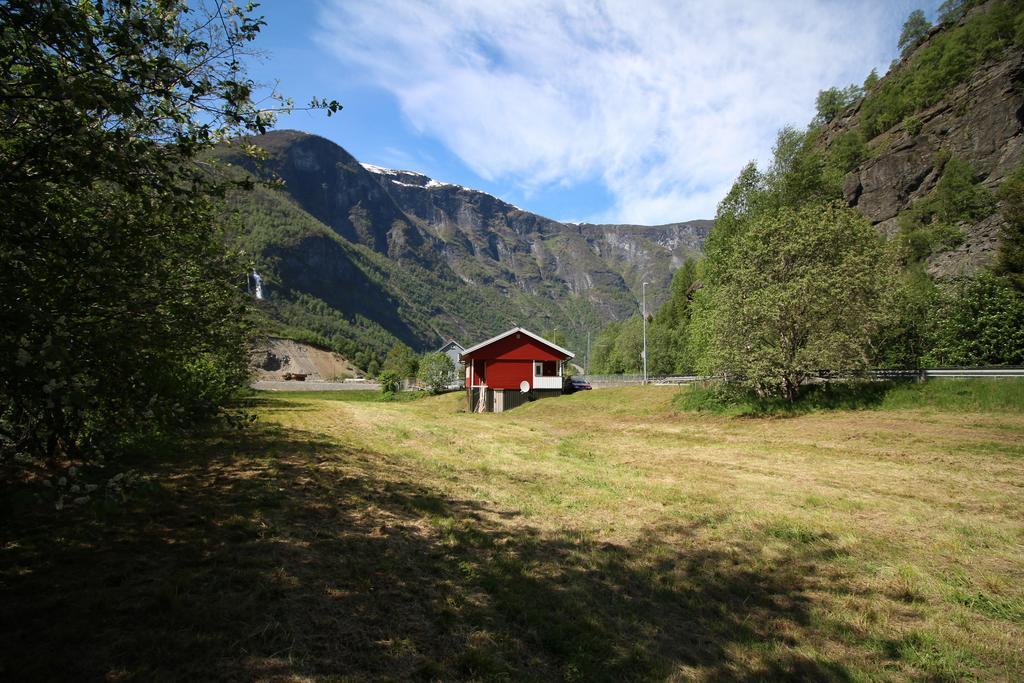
x=378, y=169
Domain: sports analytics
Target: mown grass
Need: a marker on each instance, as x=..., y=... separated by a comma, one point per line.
x=968, y=395
x=600, y=536
x=348, y=395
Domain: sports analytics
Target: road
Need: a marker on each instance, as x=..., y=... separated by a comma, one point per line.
x=270, y=385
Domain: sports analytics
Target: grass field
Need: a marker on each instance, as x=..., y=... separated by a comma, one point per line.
x=600, y=536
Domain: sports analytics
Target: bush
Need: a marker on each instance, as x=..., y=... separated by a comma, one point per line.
x=389, y=382
x=978, y=321
x=933, y=223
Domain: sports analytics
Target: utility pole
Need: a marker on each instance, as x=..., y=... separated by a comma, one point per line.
x=643, y=295
x=586, y=370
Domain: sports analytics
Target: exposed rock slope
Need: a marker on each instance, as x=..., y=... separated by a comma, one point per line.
x=980, y=121
x=273, y=357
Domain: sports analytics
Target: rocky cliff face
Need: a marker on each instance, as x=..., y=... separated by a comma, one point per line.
x=491, y=242
x=646, y=253
x=328, y=183
x=981, y=121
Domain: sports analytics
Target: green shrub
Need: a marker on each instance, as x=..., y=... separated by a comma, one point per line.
x=912, y=124
x=389, y=382
x=723, y=398
x=933, y=223
x=978, y=321
x=1010, y=259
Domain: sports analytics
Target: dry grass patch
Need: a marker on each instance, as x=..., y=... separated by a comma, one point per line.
x=601, y=536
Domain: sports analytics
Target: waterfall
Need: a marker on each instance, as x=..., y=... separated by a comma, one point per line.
x=258, y=283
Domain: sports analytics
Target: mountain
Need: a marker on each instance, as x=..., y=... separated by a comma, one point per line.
x=490, y=242
x=957, y=97
x=358, y=256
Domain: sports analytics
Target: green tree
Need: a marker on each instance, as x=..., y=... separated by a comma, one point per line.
x=830, y=103
x=436, y=371
x=601, y=362
x=798, y=292
x=619, y=346
x=1010, y=258
x=915, y=30
x=871, y=81
x=952, y=11
x=799, y=171
x=668, y=334
x=401, y=361
x=122, y=311
x=978, y=321
x=911, y=301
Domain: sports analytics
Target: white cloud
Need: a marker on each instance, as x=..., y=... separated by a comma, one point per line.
x=660, y=101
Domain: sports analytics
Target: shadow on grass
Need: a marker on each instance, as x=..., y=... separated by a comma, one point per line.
x=275, y=554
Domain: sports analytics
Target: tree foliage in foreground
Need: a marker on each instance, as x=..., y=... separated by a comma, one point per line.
x=796, y=292
x=122, y=312
x=436, y=372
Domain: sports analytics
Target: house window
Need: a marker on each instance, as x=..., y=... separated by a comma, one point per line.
x=547, y=368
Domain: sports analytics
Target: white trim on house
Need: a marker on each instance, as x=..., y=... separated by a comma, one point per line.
x=547, y=382
x=501, y=336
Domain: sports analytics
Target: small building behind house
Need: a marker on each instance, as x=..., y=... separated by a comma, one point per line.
x=512, y=368
x=453, y=350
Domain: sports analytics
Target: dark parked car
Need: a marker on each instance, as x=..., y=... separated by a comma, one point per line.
x=577, y=384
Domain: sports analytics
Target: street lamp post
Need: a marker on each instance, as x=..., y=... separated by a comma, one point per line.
x=643, y=295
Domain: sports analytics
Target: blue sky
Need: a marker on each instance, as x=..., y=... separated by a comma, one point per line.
x=626, y=112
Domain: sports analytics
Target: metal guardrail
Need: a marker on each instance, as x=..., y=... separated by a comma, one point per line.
x=974, y=372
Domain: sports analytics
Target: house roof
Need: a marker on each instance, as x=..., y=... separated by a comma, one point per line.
x=452, y=342
x=525, y=331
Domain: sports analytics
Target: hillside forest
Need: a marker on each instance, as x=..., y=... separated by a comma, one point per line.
x=793, y=280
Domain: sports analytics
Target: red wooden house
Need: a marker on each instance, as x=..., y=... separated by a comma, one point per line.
x=512, y=368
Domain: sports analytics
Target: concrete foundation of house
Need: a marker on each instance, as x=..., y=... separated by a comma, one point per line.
x=500, y=400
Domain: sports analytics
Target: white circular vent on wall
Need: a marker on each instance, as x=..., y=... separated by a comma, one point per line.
x=524, y=386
